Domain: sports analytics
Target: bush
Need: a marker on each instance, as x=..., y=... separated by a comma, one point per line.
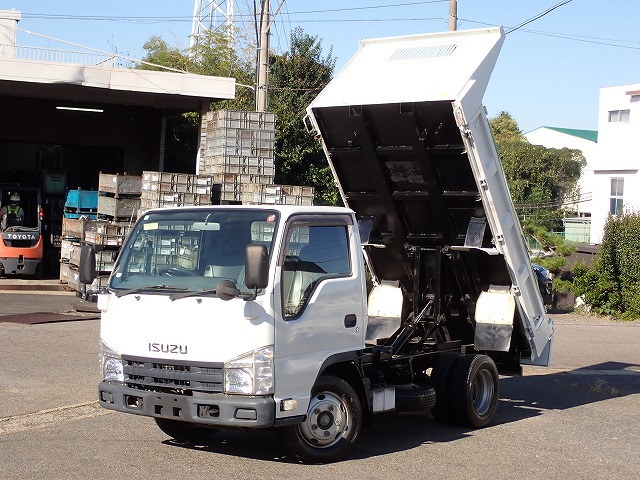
x=612, y=285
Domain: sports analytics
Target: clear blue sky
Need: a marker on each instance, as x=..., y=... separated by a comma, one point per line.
x=549, y=72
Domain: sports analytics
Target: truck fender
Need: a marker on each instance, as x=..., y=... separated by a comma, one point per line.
x=346, y=365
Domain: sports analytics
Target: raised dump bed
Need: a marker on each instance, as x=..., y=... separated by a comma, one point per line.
x=406, y=135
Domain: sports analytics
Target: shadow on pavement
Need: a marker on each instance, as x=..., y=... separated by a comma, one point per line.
x=47, y=317
x=520, y=398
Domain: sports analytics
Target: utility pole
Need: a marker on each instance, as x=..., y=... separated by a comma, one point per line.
x=453, y=15
x=263, y=58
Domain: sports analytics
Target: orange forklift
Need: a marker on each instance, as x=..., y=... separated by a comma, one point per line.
x=21, y=247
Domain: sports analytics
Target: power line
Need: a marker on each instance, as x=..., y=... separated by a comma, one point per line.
x=174, y=19
x=540, y=15
x=370, y=7
x=151, y=19
x=595, y=41
x=567, y=36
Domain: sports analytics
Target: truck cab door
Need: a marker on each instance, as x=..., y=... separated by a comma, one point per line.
x=320, y=300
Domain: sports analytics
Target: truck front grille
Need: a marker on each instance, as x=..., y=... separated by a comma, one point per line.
x=175, y=377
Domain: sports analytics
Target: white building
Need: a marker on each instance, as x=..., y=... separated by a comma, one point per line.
x=616, y=183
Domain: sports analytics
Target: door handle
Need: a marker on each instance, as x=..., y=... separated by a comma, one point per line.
x=350, y=320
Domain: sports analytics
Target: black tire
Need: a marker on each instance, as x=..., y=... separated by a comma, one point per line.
x=415, y=398
x=441, y=380
x=332, y=425
x=186, y=432
x=474, y=391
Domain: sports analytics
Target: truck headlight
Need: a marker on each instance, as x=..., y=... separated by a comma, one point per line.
x=250, y=374
x=111, y=364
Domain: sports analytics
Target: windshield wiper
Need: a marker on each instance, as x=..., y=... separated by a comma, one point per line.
x=149, y=288
x=197, y=293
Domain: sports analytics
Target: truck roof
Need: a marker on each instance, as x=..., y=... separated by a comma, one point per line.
x=286, y=210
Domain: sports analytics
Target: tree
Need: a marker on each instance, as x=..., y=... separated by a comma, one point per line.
x=505, y=128
x=297, y=76
x=295, y=79
x=213, y=55
x=159, y=53
x=540, y=179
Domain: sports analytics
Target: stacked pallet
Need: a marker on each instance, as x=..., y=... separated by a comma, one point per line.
x=119, y=198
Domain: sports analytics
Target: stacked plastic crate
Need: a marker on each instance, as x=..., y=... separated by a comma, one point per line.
x=80, y=207
x=119, y=196
x=237, y=151
x=165, y=189
x=106, y=237
x=72, y=237
x=238, y=142
x=105, y=226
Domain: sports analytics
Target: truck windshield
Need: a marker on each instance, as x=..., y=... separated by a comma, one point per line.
x=191, y=250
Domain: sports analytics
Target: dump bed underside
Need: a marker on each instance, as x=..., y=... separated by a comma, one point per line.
x=405, y=166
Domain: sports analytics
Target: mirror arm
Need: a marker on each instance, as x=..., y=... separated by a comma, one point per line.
x=252, y=296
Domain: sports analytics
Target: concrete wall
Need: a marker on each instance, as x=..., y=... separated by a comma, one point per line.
x=8, y=25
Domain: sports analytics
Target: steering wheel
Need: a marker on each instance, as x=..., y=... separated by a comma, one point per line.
x=175, y=272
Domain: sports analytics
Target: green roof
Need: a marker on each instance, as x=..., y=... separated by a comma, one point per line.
x=591, y=135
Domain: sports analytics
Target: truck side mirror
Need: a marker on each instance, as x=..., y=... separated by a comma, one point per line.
x=256, y=273
x=87, y=267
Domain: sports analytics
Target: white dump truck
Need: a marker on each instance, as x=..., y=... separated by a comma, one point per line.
x=311, y=320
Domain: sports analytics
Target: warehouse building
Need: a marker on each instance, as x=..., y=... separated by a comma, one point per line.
x=65, y=117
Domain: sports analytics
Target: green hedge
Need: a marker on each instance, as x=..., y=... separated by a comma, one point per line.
x=612, y=285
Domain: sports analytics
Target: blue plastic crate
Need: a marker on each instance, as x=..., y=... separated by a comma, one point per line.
x=81, y=201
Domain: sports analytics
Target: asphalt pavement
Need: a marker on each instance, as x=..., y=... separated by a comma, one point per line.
x=24, y=296
x=577, y=418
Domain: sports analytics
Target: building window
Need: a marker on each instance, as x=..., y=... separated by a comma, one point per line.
x=617, y=116
x=615, y=201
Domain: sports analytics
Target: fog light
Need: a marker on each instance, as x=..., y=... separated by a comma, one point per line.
x=106, y=397
x=288, y=404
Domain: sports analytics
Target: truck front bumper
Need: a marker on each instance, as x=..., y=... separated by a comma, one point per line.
x=215, y=410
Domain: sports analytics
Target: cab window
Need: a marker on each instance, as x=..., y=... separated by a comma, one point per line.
x=312, y=254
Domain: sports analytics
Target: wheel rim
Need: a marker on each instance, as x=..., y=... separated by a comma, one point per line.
x=328, y=420
x=483, y=391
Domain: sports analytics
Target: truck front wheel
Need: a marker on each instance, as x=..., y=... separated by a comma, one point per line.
x=474, y=390
x=185, y=432
x=332, y=425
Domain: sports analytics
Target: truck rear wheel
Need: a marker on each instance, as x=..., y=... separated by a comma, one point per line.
x=474, y=390
x=186, y=432
x=332, y=425
x=441, y=380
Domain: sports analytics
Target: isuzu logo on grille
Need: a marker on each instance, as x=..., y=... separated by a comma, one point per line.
x=168, y=348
